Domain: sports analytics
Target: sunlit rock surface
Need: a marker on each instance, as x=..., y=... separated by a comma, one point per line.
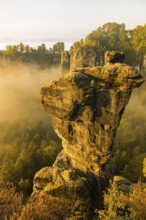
x=86, y=107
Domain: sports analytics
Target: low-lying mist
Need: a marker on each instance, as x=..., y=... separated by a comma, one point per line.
x=136, y=108
x=27, y=139
x=20, y=86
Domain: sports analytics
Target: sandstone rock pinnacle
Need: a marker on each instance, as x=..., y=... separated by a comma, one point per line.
x=86, y=107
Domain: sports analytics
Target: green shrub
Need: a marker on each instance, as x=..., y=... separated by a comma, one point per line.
x=118, y=204
x=137, y=202
x=113, y=202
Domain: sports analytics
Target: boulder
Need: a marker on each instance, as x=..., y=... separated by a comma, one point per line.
x=114, y=57
x=123, y=184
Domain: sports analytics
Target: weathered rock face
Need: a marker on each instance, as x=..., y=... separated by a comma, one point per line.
x=86, y=107
x=82, y=57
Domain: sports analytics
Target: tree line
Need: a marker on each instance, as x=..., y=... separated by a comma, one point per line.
x=40, y=55
x=113, y=36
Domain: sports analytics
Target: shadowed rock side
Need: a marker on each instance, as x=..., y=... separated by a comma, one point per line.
x=86, y=107
x=65, y=62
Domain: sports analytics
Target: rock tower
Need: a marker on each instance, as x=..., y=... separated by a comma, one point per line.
x=86, y=107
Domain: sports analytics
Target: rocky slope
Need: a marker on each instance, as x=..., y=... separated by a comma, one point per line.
x=86, y=107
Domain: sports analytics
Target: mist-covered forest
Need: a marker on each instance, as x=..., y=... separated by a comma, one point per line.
x=27, y=139
x=130, y=141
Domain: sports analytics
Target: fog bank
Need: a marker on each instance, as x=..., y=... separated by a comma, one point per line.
x=20, y=86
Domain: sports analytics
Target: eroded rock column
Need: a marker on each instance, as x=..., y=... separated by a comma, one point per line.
x=86, y=107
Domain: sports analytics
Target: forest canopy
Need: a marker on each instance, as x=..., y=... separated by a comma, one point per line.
x=114, y=36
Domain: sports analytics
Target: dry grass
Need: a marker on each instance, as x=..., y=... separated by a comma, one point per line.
x=42, y=207
x=46, y=207
x=10, y=200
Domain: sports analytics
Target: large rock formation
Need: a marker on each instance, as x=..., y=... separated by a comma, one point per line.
x=82, y=56
x=86, y=107
x=79, y=57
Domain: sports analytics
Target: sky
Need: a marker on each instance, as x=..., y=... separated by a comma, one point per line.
x=65, y=19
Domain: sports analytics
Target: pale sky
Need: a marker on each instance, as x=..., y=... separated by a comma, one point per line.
x=65, y=19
